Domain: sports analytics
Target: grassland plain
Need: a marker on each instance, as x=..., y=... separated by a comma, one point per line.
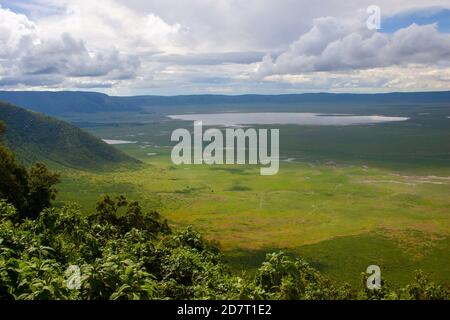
x=342, y=218
x=346, y=197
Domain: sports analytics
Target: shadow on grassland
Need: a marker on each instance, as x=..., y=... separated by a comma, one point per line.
x=343, y=259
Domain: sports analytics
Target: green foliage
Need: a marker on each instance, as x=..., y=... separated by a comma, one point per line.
x=108, y=211
x=122, y=255
x=125, y=253
x=424, y=289
x=41, y=191
x=134, y=261
x=293, y=279
x=37, y=137
x=29, y=191
x=7, y=211
x=13, y=180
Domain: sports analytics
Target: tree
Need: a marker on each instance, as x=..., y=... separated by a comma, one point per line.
x=127, y=215
x=13, y=180
x=29, y=191
x=41, y=189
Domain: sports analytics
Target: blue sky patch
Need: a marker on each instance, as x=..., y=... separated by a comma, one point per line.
x=440, y=16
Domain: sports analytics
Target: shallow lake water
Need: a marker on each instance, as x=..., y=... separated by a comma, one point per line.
x=236, y=119
x=110, y=141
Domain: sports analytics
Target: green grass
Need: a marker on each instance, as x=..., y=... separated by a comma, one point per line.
x=340, y=218
x=345, y=258
x=384, y=200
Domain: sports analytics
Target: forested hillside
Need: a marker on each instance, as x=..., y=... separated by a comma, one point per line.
x=37, y=137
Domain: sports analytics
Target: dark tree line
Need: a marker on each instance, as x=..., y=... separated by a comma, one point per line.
x=29, y=190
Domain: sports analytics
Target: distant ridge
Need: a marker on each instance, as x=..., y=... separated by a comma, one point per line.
x=37, y=137
x=400, y=97
x=64, y=102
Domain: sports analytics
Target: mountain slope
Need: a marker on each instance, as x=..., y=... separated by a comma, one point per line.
x=396, y=97
x=37, y=137
x=56, y=103
x=66, y=102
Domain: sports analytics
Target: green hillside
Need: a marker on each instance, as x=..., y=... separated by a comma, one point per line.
x=57, y=103
x=37, y=137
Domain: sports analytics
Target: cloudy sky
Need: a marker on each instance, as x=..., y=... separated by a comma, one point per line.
x=223, y=46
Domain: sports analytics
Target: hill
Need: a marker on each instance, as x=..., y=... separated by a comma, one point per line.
x=56, y=103
x=65, y=102
x=37, y=137
x=396, y=97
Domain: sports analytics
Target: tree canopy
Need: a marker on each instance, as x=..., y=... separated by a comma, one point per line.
x=30, y=191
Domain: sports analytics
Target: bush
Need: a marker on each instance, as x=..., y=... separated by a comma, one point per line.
x=139, y=257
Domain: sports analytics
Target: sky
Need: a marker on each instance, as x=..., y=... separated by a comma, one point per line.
x=172, y=47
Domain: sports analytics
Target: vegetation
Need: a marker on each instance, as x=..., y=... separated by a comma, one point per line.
x=124, y=253
x=37, y=137
x=57, y=103
x=69, y=102
x=341, y=219
x=347, y=198
x=29, y=190
x=140, y=257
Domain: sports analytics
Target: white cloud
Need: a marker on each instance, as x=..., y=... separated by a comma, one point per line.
x=333, y=45
x=386, y=79
x=78, y=44
x=172, y=46
x=16, y=33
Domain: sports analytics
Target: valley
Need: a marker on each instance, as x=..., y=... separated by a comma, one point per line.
x=192, y=155
x=345, y=197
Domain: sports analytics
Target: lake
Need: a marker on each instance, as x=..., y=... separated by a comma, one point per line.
x=237, y=119
x=110, y=141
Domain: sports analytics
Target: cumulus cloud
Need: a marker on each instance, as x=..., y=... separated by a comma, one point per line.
x=69, y=57
x=17, y=33
x=70, y=46
x=174, y=47
x=333, y=45
x=386, y=79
